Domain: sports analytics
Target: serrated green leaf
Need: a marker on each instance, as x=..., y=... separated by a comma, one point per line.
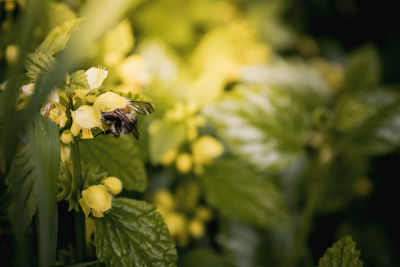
x=240, y=193
x=78, y=81
x=57, y=39
x=362, y=69
x=38, y=63
x=264, y=126
x=133, y=234
x=118, y=157
x=342, y=254
x=23, y=199
x=168, y=135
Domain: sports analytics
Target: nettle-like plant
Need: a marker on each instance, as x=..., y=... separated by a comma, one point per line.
x=69, y=151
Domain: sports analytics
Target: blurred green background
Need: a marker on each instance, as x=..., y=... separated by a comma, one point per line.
x=277, y=122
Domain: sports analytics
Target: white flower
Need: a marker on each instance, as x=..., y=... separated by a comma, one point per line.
x=27, y=89
x=95, y=77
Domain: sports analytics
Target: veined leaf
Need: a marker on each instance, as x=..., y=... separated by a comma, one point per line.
x=32, y=179
x=239, y=193
x=363, y=69
x=264, y=126
x=37, y=63
x=57, y=39
x=133, y=234
x=342, y=254
x=118, y=157
x=168, y=135
x=23, y=199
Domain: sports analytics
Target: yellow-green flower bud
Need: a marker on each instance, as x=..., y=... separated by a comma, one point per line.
x=66, y=137
x=113, y=185
x=196, y=228
x=97, y=198
x=205, y=149
x=184, y=162
x=109, y=101
x=164, y=199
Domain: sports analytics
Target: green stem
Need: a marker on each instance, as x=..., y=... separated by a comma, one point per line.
x=79, y=220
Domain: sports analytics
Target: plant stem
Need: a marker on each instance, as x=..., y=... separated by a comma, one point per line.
x=79, y=220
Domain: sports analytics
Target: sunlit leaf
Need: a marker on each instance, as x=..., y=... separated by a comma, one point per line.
x=342, y=254
x=133, y=234
x=57, y=39
x=264, y=126
x=167, y=136
x=38, y=63
x=240, y=193
x=118, y=157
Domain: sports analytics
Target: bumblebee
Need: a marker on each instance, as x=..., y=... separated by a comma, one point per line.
x=124, y=120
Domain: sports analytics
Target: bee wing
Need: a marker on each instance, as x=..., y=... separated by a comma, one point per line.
x=142, y=107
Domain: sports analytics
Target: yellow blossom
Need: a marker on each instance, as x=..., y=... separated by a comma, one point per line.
x=57, y=114
x=85, y=118
x=113, y=185
x=12, y=53
x=203, y=214
x=176, y=223
x=205, y=149
x=164, y=199
x=95, y=199
x=66, y=137
x=95, y=77
x=27, y=89
x=169, y=157
x=109, y=101
x=133, y=70
x=196, y=228
x=184, y=162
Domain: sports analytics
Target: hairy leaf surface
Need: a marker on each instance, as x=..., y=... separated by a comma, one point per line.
x=133, y=234
x=238, y=192
x=118, y=157
x=342, y=254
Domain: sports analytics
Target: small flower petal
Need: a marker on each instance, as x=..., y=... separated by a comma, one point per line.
x=95, y=77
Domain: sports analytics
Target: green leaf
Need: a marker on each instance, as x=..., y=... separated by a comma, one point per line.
x=203, y=257
x=240, y=193
x=23, y=199
x=118, y=157
x=264, y=126
x=63, y=11
x=44, y=139
x=37, y=63
x=133, y=234
x=342, y=254
x=57, y=39
x=31, y=183
x=77, y=81
x=240, y=243
x=168, y=135
x=363, y=69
